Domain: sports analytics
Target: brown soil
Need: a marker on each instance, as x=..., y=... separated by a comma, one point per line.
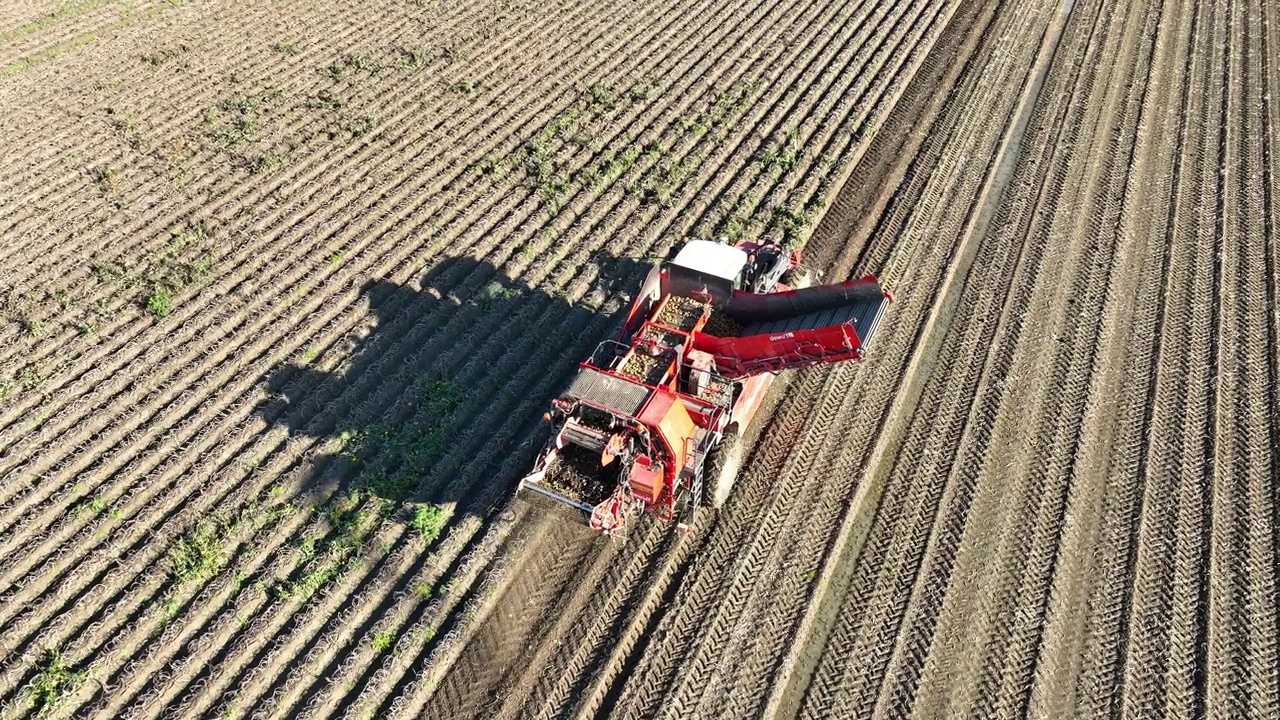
x=277, y=276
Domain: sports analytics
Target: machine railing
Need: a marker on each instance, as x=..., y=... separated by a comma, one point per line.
x=606, y=353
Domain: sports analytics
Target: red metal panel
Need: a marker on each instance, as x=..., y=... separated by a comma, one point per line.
x=656, y=409
x=646, y=480
x=648, y=297
x=742, y=356
x=665, y=414
x=753, y=392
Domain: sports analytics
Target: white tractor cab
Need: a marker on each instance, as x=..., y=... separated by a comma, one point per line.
x=703, y=267
x=721, y=269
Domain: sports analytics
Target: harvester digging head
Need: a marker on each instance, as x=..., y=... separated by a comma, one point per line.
x=613, y=515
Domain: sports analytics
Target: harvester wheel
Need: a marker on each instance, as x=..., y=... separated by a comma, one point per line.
x=722, y=470
x=798, y=277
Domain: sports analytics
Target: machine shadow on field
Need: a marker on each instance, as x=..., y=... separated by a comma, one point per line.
x=439, y=402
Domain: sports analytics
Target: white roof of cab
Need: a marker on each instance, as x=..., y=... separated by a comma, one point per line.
x=711, y=258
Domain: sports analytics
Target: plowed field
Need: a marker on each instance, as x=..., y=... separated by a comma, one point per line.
x=285, y=287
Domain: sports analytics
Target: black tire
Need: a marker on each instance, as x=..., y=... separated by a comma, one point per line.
x=798, y=277
x=722, y=470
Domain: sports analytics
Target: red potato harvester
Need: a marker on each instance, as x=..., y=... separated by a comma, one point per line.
x=652, y=421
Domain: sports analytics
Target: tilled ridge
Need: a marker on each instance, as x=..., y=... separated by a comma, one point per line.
x=98, y=440
x=831, y=690
x=276, y=277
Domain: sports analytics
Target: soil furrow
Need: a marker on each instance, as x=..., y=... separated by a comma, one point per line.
x=871, y=548
x=284, y=290
x=1157, y=598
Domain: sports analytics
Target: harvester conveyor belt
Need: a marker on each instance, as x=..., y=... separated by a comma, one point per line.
x=607, y=391
x=865, y=315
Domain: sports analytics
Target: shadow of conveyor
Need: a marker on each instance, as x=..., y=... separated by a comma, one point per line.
x=447, y=381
